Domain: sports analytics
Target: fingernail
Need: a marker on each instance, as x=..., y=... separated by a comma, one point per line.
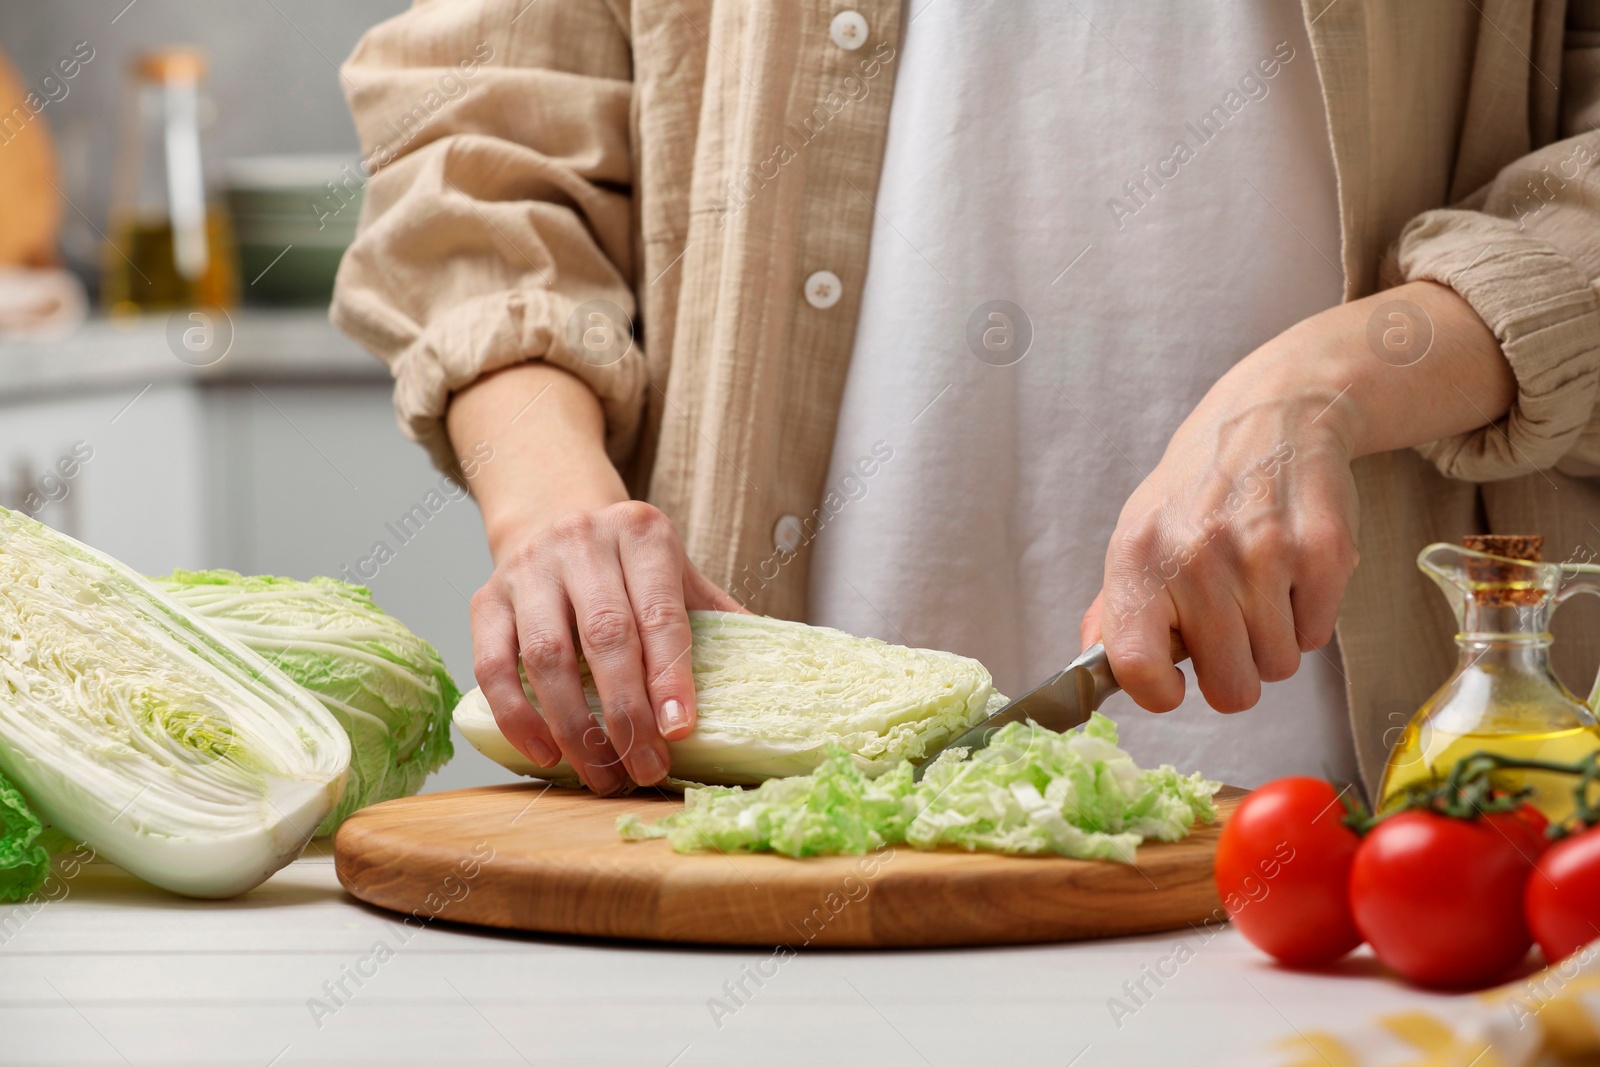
x=605, y=780
x=651, y=767
x=674, y=716
x=543, y=754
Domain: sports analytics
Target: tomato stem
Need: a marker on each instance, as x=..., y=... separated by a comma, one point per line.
x=1469, y=791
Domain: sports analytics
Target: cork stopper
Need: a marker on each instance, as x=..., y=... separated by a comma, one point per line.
x=1499, y=583
x=175, y=65
x=1528, y=547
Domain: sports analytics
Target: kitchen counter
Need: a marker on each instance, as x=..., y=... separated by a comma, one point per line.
x=114, y=972
x=246, y=345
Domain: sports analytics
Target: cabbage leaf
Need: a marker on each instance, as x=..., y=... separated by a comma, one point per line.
x=386, y=686
x=1031, y=791
x=774, y=696
x=23, y=861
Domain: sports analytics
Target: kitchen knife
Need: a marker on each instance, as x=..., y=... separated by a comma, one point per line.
x=1063, y=701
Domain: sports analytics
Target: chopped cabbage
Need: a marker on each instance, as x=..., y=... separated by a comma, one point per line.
x=387, y=687
x=774, y=695
x=836, y=809
x=1031, y=791
x=133, y=725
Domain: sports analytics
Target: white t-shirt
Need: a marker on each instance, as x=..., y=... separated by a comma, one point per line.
x=1148, y=189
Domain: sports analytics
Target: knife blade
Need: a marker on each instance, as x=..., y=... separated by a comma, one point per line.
x=1064, y=700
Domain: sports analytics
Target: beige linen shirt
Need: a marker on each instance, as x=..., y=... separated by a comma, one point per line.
x=691, y=164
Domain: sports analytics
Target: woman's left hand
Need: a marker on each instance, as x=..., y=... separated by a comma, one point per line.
x=1244, y=536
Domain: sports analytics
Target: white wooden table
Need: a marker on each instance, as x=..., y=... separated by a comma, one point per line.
x=117, y=973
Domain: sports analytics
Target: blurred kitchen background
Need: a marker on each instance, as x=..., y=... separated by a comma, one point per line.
x=177, y=180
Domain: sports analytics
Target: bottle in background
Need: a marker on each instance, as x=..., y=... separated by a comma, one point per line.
x=170, y=245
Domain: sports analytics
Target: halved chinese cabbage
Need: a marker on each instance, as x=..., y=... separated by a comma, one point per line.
x=388, y=687
x=135, y=726
x=774, y=695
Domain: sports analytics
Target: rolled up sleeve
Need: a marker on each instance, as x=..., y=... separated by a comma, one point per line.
x=1537, y=297
x=496, y=140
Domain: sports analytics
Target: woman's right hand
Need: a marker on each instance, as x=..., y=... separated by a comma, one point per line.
x=618, y=578
x=579, y=569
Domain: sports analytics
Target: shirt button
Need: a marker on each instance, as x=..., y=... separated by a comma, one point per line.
x=848, y=30
x=787, y=534
x=823, y=289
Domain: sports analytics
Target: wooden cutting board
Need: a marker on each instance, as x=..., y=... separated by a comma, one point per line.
x=532, y=857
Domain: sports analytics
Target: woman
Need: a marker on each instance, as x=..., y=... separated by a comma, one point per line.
x=1175, y=284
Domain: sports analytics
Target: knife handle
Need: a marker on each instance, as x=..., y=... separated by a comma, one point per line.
x=1094, y=658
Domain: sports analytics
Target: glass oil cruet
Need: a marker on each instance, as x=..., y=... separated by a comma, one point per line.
x=1503, y=697
x=171, y=244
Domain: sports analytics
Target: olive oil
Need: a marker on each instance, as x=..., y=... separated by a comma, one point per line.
x=171, y=245
x=1426, y=755
x=1502, y=698
x=141, y=268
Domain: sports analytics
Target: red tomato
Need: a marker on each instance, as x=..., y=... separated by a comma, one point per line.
x=1283, y=871
x=1440, y=899
x=1532, y=824
x=1562, y=903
